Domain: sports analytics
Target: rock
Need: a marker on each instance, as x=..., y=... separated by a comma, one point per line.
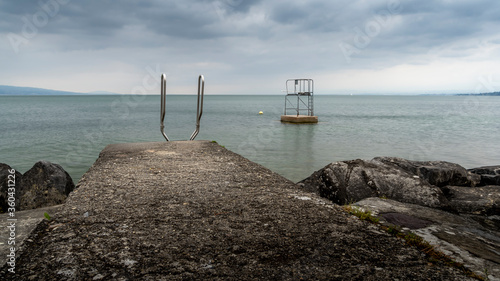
x=45, y=184
x=405, y=220
x=438, y=173
x=350, y=181
x=461, y=237
x=478, y=201
x=469, y=235
x=490, y=175
x=436, y=184
x=5, y=178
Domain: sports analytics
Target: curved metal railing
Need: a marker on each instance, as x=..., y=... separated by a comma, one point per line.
x=199, y=107
x=163, y=104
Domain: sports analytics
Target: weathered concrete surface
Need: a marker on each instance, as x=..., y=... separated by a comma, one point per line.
x=461, y=237
x=196, y=211
x=25, y=223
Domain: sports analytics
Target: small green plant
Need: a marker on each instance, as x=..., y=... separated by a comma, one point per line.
x=486, y=274
x=393, y=229
x=361, y=214
x=217, y=143
x=46, y=215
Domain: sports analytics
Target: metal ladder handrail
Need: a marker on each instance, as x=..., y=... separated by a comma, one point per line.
x=199, y=107
x=163, y=104
x=199, y=110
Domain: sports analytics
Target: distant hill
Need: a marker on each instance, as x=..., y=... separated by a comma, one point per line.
x=29, y=91
x=482, y=94
x=101, y=93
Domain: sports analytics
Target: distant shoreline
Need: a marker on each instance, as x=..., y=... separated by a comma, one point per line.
x=30, y=91
x=481, y=94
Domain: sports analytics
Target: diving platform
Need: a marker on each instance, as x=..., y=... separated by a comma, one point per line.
x=299, y=102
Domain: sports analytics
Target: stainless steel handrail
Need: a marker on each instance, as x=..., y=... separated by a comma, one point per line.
x=163, y=104
x=199, y=109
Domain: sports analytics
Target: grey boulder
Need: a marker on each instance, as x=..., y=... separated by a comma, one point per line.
x=45, y=184
x=483, y=200
x=435, y=184
x=351, y=181
x=490, y=175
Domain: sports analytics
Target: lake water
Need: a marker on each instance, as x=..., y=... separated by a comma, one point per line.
x=72, y=130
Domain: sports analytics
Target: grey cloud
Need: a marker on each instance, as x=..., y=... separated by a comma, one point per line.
x=316, y=16
x=422, y=25
x=254, y=38
x=19, y=7
x=174, y=18
x=480, y=10
x=234, y=6
x=445, y=20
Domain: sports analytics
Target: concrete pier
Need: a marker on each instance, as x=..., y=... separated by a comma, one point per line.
x=299, y=119
x=196, y=211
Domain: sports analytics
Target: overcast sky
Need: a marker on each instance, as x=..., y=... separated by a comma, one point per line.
x=252, y=47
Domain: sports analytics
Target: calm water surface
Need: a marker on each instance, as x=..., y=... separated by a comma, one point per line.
x=72, y=130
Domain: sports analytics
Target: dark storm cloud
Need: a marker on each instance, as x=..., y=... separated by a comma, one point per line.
x=316, y=15
x=435, y=22
x=204, y=19
x=183, y=19
x=248, y=38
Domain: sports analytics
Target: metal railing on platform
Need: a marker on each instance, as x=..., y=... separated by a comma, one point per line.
x=299, y=96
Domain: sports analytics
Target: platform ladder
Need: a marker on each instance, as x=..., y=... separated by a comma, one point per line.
x=199, y=107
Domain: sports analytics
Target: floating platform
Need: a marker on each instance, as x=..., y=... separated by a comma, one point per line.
x=299, y=119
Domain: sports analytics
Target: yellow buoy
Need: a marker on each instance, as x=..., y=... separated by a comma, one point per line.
x=260, y=112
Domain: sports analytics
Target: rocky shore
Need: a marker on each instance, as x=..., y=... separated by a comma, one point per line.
x=455, y=209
